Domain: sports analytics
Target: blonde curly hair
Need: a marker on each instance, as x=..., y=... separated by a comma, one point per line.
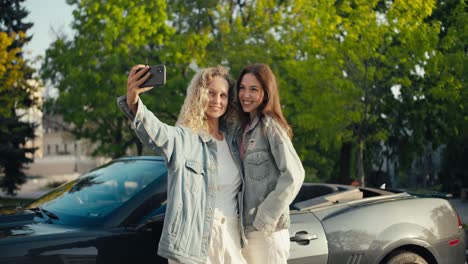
x=192, y=114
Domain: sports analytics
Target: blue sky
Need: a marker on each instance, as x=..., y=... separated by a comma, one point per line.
x=48, y=16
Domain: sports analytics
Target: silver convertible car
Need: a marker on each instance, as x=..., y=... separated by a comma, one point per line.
x=114, y=214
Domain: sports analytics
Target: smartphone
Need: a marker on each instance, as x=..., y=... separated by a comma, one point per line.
x=157, y=78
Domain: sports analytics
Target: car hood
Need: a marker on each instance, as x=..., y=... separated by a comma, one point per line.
x=19, y=223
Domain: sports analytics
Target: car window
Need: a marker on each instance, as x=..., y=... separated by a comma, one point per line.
x=96, y=194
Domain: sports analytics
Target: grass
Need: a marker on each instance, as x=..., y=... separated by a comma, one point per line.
x=7, y=201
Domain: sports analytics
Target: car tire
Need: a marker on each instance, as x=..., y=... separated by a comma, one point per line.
x=405, y=257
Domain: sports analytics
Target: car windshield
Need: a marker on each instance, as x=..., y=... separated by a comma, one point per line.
x=101, y=191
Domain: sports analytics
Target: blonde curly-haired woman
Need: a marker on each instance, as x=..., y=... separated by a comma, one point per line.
x=202, y=216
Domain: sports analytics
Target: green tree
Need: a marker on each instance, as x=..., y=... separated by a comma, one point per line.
x=243, y=32
x=90, y=69
x=353, y=53
x=447, y=91
x=360, y=81
x=410, y=37
x=16, y=92
x=317, y=93
x=235, y=33
x=111, y=37
x=429, y=112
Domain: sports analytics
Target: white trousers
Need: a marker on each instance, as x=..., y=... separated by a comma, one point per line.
x=225, y=247
x=267, y=249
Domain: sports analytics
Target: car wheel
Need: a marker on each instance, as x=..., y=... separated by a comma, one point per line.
x=405, y=257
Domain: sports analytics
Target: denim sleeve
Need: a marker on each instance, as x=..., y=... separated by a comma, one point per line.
x=153, y=133
x=289, y=181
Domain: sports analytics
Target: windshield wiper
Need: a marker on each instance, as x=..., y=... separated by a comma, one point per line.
x=42, y=211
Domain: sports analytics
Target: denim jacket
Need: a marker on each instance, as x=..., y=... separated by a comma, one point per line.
x=273, y=175
x=192, y=169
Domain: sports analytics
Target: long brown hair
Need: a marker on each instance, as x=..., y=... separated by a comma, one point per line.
x=271, y=105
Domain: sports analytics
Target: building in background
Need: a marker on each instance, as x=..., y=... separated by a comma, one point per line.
x=58, y=153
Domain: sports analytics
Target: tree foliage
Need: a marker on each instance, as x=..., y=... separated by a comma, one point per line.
x=90, y=70
x=363, y=83
x=16, y=92
x=448, y=88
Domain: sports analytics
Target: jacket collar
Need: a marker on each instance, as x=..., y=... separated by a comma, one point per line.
x=253, y=123
x=205, y=137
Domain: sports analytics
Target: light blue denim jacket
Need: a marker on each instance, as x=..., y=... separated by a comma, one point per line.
x=192, y=169
x=273, y=175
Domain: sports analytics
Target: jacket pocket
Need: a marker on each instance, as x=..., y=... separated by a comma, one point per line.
x=258, y=165
x=194, y=176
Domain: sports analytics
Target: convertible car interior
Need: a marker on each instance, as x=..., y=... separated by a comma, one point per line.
x=313, y=195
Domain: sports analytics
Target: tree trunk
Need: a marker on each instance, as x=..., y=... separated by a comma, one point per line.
x=344, y=175
x=360, y=163
x=139, y=146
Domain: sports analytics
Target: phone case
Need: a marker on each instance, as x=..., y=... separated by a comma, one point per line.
x=157, y=78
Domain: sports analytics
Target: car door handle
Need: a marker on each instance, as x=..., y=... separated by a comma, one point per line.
x=303, y=237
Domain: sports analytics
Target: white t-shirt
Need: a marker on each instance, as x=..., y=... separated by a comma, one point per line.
x=228, y=181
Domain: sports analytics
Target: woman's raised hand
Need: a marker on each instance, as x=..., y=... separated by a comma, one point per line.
x=138, y=75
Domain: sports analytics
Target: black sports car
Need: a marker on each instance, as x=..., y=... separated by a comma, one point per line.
x=114, y=214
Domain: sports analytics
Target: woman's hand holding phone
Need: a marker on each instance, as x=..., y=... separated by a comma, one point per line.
x=157, y=78
x=141, y=79
x=137, y=76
